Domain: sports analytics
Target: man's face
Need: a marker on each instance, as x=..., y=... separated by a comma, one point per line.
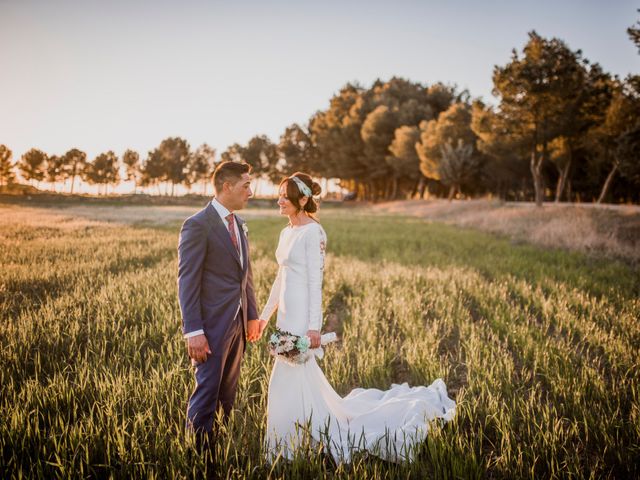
x=240, y=192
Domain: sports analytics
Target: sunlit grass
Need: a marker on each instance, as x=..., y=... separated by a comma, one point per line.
x=538, y=347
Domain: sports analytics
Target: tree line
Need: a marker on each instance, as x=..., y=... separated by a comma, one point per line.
x=563, y=129
x=171, y=163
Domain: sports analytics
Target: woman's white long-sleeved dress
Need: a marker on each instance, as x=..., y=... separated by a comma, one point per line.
x=385, y=423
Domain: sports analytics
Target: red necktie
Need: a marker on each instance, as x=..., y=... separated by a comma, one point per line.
x=231, y=223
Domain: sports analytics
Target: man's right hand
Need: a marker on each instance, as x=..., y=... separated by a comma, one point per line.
x=198, y=348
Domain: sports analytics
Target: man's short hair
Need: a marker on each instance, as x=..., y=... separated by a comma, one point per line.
x=229, y=172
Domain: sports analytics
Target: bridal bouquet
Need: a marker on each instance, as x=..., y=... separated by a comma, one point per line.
x=295, y=349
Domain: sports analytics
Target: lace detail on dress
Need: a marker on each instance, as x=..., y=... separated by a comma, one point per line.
x=323, y=248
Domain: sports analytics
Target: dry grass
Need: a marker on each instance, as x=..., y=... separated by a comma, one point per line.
x=610, y=231
x=71, y=217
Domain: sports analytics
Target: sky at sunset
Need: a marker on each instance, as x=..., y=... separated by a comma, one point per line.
x=100, y=75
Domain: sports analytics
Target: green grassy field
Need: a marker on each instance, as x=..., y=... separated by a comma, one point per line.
x=539, y=348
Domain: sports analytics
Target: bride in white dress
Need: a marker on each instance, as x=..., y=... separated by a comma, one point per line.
x=301, y=402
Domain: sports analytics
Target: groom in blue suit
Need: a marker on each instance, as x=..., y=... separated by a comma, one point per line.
x=217, y=301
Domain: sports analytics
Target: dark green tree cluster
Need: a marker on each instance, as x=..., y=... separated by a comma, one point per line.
x=563, y=129
x=173, y=163
x=103, y=171
x=6, y=167
x=566, y=116
x=366, y=138
x=170, y=164
x=36, y=166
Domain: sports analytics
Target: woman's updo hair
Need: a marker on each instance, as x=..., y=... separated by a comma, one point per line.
x=294, y=194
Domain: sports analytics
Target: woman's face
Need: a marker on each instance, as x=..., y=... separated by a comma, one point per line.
x=286, y=207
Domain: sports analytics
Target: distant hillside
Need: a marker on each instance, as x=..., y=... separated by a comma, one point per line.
x=609, y=230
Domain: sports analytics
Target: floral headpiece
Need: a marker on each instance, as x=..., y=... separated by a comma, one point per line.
x=303, y=187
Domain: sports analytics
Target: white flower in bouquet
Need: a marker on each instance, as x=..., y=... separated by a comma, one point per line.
x=294, y=349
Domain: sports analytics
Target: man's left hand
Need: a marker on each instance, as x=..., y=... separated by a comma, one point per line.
x=253, y=330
